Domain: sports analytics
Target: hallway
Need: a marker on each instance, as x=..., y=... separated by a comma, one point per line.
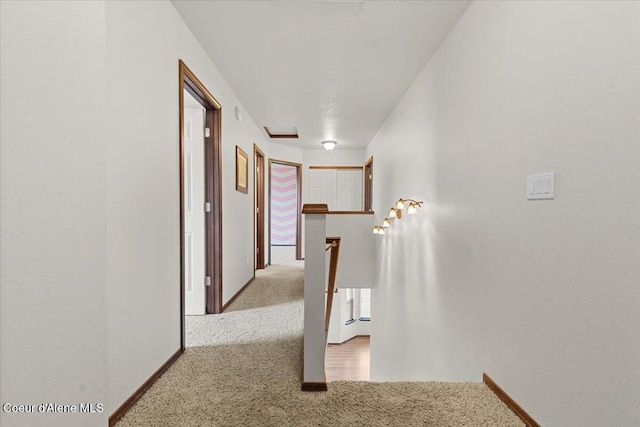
x=469, y=106
x=242, y=368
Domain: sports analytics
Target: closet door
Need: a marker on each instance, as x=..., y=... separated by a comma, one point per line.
x=349, y=190
x=323, y=187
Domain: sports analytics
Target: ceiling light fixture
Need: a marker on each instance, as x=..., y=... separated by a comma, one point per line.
x=329, y=145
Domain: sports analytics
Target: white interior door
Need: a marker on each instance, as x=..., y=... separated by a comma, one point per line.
x=315, y=187
x=349, y=190
x=323, y=187
x=194, y=221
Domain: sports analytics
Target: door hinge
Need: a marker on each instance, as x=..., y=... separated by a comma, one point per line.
x=207, y=132
x=207, y=281
x=207, y=207
x=257, y=210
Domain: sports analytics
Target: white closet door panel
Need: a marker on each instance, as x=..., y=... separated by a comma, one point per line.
x=194, y=226
x=349, y=190
x=322, y=188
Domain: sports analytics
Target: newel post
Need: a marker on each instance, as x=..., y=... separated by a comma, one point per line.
x=315, y=266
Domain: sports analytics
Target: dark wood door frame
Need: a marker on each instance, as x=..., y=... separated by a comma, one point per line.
x=368, y=184
x=258, y=224
x=298, y=167
x=213, y=192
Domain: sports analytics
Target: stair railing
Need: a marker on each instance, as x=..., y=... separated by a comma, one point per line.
x=334, y=246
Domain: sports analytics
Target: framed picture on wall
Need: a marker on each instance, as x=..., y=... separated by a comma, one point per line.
x=242, y=170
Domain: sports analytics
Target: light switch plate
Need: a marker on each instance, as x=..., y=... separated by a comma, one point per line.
x=541, y=186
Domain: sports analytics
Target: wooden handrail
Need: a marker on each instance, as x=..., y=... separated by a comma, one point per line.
x=334, y=245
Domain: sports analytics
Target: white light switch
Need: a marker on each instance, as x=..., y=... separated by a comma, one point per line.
x=531, y=189
x=540, y=186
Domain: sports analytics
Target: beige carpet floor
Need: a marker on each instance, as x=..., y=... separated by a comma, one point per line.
x=243, y=368
x=282, y=255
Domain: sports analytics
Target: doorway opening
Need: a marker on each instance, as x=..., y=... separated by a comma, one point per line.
x=348, y=337
x=200, y=199
x=259, y=240
x=285, y=211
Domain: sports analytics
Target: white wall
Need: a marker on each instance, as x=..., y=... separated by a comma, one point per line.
x=53, y=219
x=283, y=152
x=72, y=197
x=336, y=157
x=356, y=256
x=541, y=295
x=144, y=42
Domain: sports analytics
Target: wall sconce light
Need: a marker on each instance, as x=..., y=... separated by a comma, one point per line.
x=411, y=209
x=396, y=212
x=378, y=230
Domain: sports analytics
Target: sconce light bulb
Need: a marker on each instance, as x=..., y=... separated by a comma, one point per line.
x=400, y=204
x=381, y=231
x=412, y=209
x=386, y=223
x=392, y=213
x=375, y=230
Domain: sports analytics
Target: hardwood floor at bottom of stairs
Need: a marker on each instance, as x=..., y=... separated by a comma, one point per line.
x=348, y=361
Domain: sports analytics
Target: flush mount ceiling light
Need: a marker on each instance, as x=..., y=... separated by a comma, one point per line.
x=329, y=145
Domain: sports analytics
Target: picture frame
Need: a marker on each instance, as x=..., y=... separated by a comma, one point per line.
x=242, y=171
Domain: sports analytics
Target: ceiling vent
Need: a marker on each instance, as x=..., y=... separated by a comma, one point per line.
x=281, y=132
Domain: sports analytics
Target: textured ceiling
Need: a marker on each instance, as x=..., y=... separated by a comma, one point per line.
x=335, y=70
